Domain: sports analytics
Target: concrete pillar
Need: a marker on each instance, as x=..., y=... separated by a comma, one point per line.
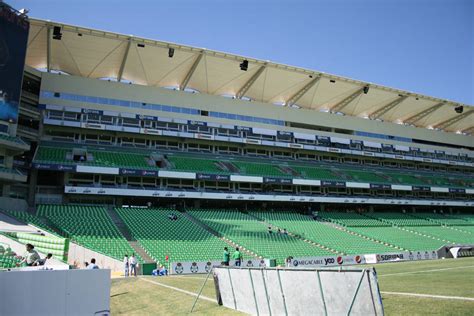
x=6, y=190
x=13, y=127
x=33, y=180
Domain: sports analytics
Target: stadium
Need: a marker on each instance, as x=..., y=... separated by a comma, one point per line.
x=113, y=144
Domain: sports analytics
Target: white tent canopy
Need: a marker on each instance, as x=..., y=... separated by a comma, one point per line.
x=93, y=53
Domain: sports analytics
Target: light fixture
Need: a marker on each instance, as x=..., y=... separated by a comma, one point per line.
x=244, y=65
x=459, y=109
x=57, y=35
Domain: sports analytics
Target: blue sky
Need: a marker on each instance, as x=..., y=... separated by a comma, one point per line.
x=424, y=46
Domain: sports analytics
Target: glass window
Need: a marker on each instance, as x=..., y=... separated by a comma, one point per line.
x=92, y=99
x=166, y=108
x=156, y=107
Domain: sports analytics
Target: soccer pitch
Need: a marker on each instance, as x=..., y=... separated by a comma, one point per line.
x=440, y=287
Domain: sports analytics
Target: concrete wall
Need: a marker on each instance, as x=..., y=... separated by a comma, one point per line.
x=78, y=255
x=12, y=204
x=94, y=87
x=66, y=292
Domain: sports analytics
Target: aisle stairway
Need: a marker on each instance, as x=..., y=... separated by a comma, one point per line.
x=128, y=235
x=232, y=245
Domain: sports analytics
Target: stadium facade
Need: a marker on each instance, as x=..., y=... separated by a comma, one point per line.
x=217, y=150
x=171, y=122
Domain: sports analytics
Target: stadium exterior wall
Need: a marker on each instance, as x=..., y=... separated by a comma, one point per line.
x=94, y=87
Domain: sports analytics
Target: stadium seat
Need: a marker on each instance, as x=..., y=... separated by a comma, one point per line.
x=248, y=232
x=98, y=158
x=195, y=164
x=324, y=233
x=181, y=240
x=89, y=226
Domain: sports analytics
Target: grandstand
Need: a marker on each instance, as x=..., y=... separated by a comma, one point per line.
x=252, y=234
x=101, y=160
x=180, y=240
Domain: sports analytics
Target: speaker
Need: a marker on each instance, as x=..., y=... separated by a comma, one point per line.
x=57, y=35
x=170, y=52
x=459, y=109
x=244, y=65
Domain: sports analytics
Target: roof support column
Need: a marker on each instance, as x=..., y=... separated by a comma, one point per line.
x=453, y=120
x=191, y=71
x=384, y=109
x=242, y=91
x=300, y=93
x=346, y=101
x=48, y=48
x=124, y=60
x=418, y=116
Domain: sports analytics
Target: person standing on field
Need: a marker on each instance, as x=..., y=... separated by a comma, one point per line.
x=125, y=265
x=237, y=256
x=133, y=265
x=226, y=260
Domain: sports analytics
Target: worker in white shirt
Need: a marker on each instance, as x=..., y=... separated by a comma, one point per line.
x=92, y=265
x=126, y=265
x=133, y=265
x=30, y=257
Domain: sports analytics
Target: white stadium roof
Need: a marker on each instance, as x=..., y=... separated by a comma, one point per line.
x=100, y=54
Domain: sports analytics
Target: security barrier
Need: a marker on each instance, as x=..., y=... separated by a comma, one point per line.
x=270, y=291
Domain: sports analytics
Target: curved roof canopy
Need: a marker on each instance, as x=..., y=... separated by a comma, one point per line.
x=99, y=54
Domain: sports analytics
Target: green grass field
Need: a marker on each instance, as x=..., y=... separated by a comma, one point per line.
x=451, y=277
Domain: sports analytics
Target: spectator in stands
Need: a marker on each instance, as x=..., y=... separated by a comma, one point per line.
x=126, y=265
x=237, y=256
x=226, y=260
x=133, y=265
x=92, y=265
x=270, y=231
x=285, y=232
x=42, y=262
x=86, y=264
x=288, y=261
x=31, y=256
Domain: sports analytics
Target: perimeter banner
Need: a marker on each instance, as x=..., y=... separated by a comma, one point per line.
x=14, y=28
x=206, y=266
x=326, y=261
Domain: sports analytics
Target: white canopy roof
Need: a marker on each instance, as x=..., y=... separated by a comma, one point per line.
x=99, y=54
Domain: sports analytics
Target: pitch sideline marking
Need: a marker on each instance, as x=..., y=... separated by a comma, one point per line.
x=425, y=271
x=461, y=298
x=180, y=290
